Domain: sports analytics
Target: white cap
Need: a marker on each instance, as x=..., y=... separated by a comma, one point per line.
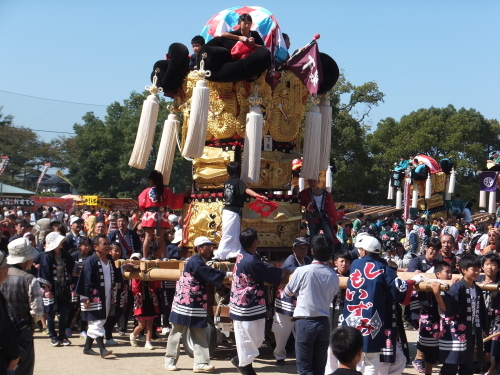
x=74, y=219
x=136, y=256
x=359, y=237
x=20, y=251
x=173, y=218
x=202, y=241
x=177, y=237
x=53, y=240
x=369, y=243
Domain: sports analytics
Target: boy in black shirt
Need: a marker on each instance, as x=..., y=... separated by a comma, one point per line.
x=197, y=42
x=347, y=346
x=235, y=191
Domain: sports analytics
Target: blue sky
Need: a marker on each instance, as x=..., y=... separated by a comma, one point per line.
x=421, y=53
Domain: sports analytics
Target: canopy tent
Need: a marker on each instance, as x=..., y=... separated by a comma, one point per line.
x=108, y=203
x=54, y=202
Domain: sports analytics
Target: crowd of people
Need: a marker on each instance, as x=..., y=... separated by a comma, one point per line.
x=58, y=267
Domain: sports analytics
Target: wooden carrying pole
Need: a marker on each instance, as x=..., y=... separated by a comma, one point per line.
x=150, y=270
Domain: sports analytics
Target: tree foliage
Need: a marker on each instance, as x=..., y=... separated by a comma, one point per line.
x=351, y=108
x=28, y=152
x=104, y=149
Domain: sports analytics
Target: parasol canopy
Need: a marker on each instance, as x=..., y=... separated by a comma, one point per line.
x=263, y=22
x=429, y=162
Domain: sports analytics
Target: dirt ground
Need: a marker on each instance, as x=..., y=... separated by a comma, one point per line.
x=70, y=360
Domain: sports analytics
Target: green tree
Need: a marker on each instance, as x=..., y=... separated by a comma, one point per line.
x=104, y=149
x=463, y=135
x=351, y=109
x=27, y=153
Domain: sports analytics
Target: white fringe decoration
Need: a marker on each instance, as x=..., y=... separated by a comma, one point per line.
x=198, y=117
x=453, y=181
x=329, y=179
x=428, y=187
x=399, y=199
x=390, y=191
x=302, y=184
x=250, y=168
x=326, y=133
x=166, y=151
x=492, y=207
x=146, y=129
x=414, y=197
x=482, y=199
x=312, y=142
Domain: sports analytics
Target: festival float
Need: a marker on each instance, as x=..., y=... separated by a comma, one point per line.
x=255, y=106
x=423, y=186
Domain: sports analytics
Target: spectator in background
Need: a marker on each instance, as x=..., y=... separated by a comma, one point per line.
x=127, y=238
x=20, y=228
x=9, y=355
x=22, y=293
x=112, y=225
x=56, y=267
x=100, y=228
x=73, y=238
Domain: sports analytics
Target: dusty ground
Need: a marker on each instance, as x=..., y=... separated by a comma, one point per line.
x=128, y=360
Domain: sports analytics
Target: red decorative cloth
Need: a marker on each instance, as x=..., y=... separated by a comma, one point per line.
x=241, y=50
x=262, y=207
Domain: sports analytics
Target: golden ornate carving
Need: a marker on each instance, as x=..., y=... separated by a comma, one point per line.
x=289, y=104
x=277, y=230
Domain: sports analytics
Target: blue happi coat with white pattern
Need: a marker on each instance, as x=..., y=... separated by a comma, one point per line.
x=373, y=291
x=190, y=300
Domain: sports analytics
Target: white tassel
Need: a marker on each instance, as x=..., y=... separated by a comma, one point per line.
x=145, y=132
x=390, y=191
x=166, y=150
x=492, y=207
x=414, y=197
x=302, y=184
x=399, y=199
x=453, y=181
x=428, y=187
x=146, y=129
x=329, y=179
x=312, y=141
x=250, y=168
x=198, y=117
x=447, y=194
x=482, y=199
x=326, y=133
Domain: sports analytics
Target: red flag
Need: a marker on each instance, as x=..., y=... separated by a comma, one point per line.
x=4, y=162
x=46, y=166
x=262, y=207
x=306, y=65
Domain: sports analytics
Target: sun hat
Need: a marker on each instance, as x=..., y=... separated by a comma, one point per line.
x=53, y=240
x=20, y=251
